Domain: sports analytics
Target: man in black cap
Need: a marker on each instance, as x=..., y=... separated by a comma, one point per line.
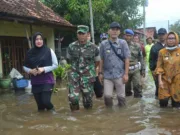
x=153, y=57
x=114, y=63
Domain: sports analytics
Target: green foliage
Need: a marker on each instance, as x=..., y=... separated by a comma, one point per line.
x=61, y=72
x=105, y=11
x=176, y=27
x=7, y=68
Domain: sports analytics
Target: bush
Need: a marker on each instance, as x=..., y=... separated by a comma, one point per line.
x=61, y=72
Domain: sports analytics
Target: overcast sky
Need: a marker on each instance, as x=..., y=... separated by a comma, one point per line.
x=159, y=12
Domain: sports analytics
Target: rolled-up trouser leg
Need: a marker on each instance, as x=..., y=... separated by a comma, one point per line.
x=120, y=90
x=108, y=92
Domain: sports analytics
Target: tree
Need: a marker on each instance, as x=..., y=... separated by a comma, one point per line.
x=127, y=13
x=76, y=11
x=176, y=27
x=105, y=11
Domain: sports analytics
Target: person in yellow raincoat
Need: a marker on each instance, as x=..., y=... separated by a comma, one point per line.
x=168, y=70
x=148, y=49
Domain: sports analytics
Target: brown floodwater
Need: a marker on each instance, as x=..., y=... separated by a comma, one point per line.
x=19, y=116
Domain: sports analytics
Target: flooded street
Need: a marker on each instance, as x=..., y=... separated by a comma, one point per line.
x=19, y=116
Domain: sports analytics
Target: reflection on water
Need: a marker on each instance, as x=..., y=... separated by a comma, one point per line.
x=18, y=116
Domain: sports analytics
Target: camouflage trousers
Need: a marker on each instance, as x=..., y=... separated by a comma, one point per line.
x=80, y=84
x=134, y=83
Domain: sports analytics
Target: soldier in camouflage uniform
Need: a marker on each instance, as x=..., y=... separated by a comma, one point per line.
x=84, y=56
x=135, y=70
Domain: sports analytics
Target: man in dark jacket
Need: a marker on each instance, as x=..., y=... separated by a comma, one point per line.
x=154, y=55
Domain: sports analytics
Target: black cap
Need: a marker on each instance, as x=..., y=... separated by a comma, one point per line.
x=162, y=31
x=115, y=25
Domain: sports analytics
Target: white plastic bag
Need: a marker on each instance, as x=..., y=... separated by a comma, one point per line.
x=15, y=74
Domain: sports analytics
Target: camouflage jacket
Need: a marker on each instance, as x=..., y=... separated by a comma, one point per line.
x=136, y=55
x=83, y=58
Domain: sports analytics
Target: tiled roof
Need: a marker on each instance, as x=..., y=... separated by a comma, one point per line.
x=31, y=9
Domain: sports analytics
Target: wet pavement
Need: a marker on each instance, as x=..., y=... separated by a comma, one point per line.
x=19, y=116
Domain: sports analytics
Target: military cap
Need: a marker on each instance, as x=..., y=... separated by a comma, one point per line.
x=129, y=32
x=82, y=29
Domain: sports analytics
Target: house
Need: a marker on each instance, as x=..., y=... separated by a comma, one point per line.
x=19, y=20
x=150, y=32
x=140, y=34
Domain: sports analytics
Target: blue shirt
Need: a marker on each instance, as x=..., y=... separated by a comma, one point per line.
x=114, y=67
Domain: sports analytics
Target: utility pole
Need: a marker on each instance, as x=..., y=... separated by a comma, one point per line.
x=144, y=22
x=91, y=21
